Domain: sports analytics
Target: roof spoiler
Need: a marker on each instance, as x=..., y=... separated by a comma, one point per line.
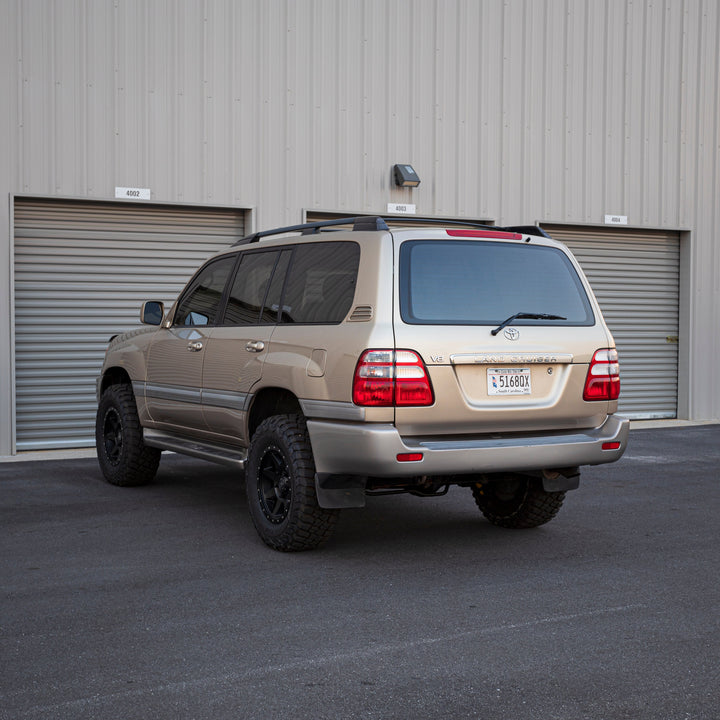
x=527, y=230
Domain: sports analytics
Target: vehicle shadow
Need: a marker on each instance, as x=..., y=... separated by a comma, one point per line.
x=387, y=524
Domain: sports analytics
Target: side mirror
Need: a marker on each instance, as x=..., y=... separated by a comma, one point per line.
x=152, y=313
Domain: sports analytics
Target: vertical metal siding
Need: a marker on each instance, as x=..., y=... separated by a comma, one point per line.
x=544, y=109
x=82, y=270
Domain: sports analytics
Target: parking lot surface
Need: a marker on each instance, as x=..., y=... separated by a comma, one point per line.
x=161, y=601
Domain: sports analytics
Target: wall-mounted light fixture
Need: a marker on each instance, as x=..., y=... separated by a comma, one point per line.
x=405, y=176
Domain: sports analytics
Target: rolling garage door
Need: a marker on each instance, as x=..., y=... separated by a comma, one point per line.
x=635, y=276
x=82, y=271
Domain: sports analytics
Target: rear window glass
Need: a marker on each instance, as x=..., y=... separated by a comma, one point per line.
x=484, y=283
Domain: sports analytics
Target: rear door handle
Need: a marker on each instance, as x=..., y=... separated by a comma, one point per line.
x=195, y=346
x=255, y=346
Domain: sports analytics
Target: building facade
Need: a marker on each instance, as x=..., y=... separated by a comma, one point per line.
x=139, y=136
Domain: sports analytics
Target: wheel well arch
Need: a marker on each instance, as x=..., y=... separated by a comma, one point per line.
x=268, y=402
x=114, y=376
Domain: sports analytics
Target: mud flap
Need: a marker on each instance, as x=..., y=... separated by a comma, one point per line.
x=561, y=479
x=340, y=491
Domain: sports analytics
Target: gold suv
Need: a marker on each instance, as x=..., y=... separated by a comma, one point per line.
x=372, y=360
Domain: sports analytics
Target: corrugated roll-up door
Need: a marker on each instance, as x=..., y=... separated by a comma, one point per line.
x=635, y=277
x=82, y=271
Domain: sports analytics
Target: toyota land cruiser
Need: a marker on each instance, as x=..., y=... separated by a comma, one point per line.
x=333, y=365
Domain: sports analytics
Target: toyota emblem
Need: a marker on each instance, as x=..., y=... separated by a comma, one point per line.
x=511, y=333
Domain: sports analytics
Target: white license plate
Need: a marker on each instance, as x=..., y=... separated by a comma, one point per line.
x=508, y=381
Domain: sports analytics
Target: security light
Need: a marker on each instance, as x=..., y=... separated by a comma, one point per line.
x=405, y=176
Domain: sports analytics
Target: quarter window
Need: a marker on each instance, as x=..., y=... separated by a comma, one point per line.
x=321, y=282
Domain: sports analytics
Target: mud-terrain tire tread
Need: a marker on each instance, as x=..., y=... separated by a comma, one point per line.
x=307, y=525
x=138, y=463
x=533, y=506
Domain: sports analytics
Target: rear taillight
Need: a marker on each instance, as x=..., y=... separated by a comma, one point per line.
x=387, y=378
x=603, y=378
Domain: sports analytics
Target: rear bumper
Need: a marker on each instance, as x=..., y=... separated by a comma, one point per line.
x=372, y=449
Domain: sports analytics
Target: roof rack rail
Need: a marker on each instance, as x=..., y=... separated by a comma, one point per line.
x=440, y=221
x=375, y=222
x=522, y=229
x=370, y=223
x=359, y=223
x=535, y=230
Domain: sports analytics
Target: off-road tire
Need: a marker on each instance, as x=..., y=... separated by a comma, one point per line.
x=280, y=486
x=516, y=501
x=123, y=456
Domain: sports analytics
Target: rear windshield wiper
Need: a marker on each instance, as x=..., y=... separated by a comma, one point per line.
x=525, y=316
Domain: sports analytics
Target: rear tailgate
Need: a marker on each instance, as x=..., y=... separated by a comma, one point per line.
x=502, y=385
x=527, y=377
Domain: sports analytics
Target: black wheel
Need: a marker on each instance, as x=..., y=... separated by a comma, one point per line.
x=123, y=456
x=516, y=501
x=280, y=485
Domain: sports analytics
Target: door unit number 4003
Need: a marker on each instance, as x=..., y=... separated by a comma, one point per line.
x=508, y=381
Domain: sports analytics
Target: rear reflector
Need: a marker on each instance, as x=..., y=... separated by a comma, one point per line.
x=409, y=457
x=611, y=446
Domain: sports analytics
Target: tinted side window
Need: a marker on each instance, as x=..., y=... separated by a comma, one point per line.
x=247, y=294
x=274, y=294
x=321, y=283
x=483, y=283
x=200, y=302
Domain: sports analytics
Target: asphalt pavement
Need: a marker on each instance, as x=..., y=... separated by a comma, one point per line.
x=161, y=601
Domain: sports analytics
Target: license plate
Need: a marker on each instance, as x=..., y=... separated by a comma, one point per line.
x=508, y=381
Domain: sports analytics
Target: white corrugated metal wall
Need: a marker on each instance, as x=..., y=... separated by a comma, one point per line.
x=547, y=109
x=519, y=111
